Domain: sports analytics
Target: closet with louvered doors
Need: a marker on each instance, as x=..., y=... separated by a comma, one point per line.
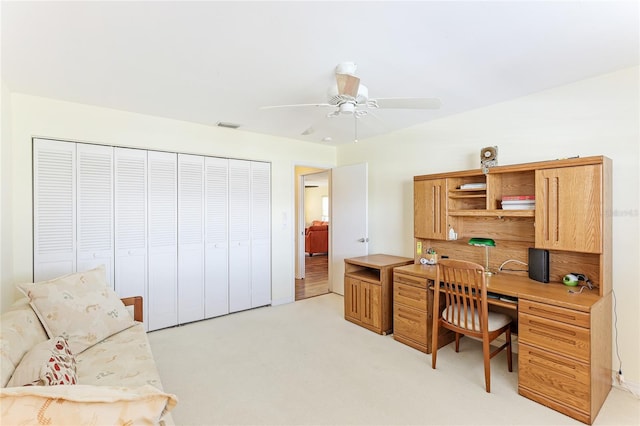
x=190, y=233
x=130, y=172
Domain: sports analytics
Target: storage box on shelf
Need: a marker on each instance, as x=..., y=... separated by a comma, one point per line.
x=569, y=219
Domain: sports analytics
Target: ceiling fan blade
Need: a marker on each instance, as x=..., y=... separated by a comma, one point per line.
x=347, y=84
x=407, y=103
x=296, y=105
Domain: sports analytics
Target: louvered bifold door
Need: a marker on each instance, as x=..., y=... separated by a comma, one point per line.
x=239, y=235
x=162, y=216
x=190, y=238
x=54, y=212
x=260, y=234
x=94, y=208
x=130, y=175
x=216, y=266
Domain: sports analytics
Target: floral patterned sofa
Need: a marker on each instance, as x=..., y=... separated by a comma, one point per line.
x=75, y=333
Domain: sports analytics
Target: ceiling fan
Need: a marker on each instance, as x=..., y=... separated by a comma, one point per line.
x=349, y=97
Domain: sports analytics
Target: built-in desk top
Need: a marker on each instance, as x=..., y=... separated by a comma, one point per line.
x=554, y=293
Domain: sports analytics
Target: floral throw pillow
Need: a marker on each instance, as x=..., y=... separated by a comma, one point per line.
x=47, y=364
x=81, y=307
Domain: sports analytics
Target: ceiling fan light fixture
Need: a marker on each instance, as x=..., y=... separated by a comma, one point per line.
x=347, y=108
x=335, y=98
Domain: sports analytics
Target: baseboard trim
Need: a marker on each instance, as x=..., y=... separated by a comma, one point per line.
x=282, y=301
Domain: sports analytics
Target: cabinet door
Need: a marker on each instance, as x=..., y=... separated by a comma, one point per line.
x=190, y=238
x=54, y=209
x=371, y=304
x=569, y=209
x=352, y=298
x=130, y=177
x=260, y=234
x=216, y=266
x=163, y=244
x=239, y=235
x=95, y=208
x=430, y=212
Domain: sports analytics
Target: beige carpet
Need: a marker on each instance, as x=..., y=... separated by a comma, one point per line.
x=303, y=364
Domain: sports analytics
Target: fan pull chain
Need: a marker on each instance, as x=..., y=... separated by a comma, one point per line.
x=355, y=120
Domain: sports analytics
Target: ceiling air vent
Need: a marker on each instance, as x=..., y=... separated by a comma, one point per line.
x=227, y=125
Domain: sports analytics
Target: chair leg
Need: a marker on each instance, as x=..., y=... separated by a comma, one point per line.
x=486, y=354
x=434, y=343
x=457, y=342
x=509, y=357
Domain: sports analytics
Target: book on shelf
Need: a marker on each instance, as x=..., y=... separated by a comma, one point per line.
x=518, y=197
x=473, y=186
x=519, y=202
x=518, y=206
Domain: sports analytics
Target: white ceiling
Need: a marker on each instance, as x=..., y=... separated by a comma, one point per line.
x=207, y=62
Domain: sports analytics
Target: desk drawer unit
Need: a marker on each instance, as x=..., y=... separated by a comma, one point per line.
x=410, y=296
x=410, y=319
x=553, y=377
x=410, y=323
x=554, y=358
x=557, y=337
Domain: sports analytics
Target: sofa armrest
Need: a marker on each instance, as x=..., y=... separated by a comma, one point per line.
x=136, y=301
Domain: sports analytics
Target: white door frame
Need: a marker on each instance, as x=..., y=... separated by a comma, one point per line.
x=298, y=229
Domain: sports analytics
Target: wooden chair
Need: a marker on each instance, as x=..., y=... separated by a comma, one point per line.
x=466, y=311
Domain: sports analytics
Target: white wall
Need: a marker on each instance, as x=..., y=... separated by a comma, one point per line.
x=598, y=116
x=6, y=239
x=34, y=116
x=313, y=203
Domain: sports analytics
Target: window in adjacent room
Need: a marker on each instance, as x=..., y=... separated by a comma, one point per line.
x=325, y=208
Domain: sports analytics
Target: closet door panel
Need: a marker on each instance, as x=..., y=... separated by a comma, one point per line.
x=216, y=237
x=190, y=238
x=130, y=176
x=239, y=235
x=162, y=239
x=94, y=208
x=54, y=209
x=260, y=234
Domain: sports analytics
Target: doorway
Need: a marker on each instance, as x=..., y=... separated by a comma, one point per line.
x=312, y=275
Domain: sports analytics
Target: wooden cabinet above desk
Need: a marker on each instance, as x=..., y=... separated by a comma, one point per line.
x=569, y=217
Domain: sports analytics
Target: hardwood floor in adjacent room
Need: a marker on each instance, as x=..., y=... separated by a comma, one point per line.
x=316, y=281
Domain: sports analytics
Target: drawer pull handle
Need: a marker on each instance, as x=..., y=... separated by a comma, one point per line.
x=571, y=342
x=551, y=328
x=410, y=318
x=552, y=313
x=413, y=294
x=558, y=371
x=408, y=282
x=551, y=360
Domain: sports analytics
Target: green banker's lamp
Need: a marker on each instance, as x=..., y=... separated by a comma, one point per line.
x=486, y=243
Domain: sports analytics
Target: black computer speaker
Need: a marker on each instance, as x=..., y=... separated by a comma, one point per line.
x=539, y=265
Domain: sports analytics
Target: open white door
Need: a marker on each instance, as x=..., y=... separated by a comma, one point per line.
x=349, y=228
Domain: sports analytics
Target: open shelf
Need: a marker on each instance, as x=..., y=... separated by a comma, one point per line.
x=492, y=213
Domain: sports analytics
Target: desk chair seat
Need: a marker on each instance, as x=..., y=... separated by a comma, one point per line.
x=466, y=311
x=496, y=320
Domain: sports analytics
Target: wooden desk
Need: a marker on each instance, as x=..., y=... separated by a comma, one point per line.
x=559, y=363
x=521, y=287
